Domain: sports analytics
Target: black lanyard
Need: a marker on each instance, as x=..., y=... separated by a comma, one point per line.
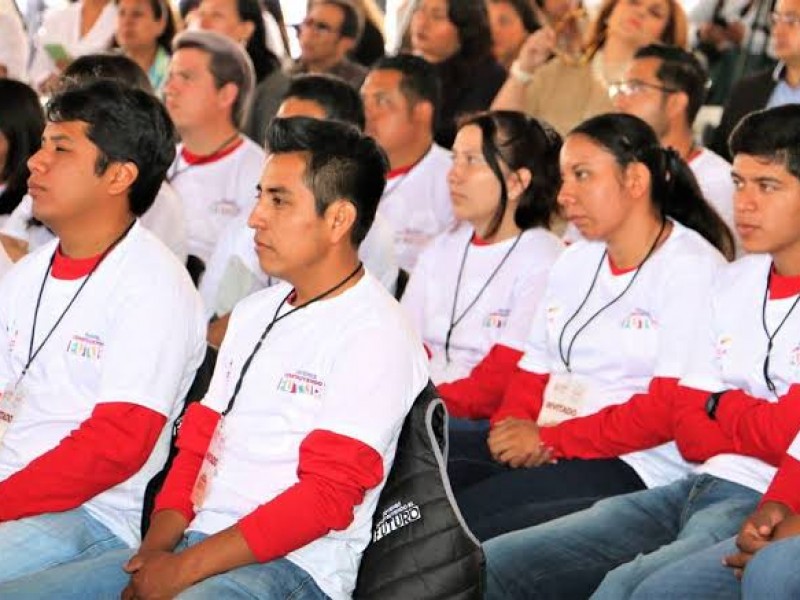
x=566, y=358
x=171, y=176
x=275, y=320
x=33, y=354
x=455, y=321
x=771, y=336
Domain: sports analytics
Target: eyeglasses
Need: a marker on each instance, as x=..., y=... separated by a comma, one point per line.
x=634, y=86
x=790, y=19
x=318, y=26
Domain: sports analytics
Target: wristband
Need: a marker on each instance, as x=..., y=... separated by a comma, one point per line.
x=712, y=403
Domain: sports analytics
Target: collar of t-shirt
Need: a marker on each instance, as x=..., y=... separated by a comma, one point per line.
x=68, y=268
x=202, y=159
x=393, y=173
x=781, y=287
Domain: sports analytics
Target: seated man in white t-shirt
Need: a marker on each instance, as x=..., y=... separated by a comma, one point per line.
x=21, y=233
x=301, y=419
x=215, y=172
x=100, y=335
x=233, y=271
x=665, y=86
x=401, y=97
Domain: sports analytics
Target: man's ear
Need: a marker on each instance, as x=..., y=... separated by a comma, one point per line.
x=677, y=104
x=341, y=217
x=122, y=177
x=227, y=95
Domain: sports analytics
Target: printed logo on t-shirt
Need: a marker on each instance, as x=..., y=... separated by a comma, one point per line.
x=13, y=336
x=411, y=237
x=301, y=382
x=723, y=346
x=552, y=314
x=639, y=320
x=225, y=208
x=794, y=358
x=87, y=346
x=496, y=319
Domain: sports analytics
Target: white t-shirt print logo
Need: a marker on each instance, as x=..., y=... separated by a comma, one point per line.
x=88, y=346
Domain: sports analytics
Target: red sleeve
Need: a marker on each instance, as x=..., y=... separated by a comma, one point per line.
x=105, y=450
x=758, y=427
x=785, y=486
x=523, y=396
x=698, y=438
x=195, y=435
x=480, y=394
x=642, y=422
x=334, y=473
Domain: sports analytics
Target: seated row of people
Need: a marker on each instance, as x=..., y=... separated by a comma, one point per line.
x=91, y=388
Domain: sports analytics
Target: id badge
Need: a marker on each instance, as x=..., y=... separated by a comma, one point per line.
x=202, y=484
x=12, y=397
x=564, y=398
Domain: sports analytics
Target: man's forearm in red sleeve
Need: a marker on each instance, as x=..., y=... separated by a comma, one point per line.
x=194, y=438
x=334, y=472
x=105, y=450
x=480, y=394
x=523, y=396
x=644, y=421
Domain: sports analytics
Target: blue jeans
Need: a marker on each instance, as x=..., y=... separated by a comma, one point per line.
x=618, y=543
x=495, y=499
x=37, y=543
x=773, y=572
x=102, y=578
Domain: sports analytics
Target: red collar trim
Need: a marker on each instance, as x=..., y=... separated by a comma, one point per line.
x=202, y=159
x=68, y=268
x=696, y=151
x=781, y=287
x=399, y=171
x=478, y=240
x=615, y=270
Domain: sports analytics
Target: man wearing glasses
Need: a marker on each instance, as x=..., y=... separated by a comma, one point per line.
x=771, y=87
x=330, y=30
x=665, y=86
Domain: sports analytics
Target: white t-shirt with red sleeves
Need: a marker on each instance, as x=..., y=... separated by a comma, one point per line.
x=351, y=365
x=730, y=351
x=502, y=313
x=215, y=192
x=644, y=334
x=417, y=205
x=135, y=334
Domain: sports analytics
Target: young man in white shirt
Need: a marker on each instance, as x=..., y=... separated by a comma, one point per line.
x=734, y=411
x=665, y=86
x=299, y=435
x=216, y=169
x=233, y=271
x=100, y=334
x=401, y=97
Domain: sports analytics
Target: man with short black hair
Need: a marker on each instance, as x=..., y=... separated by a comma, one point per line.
x=280, y=466
x=101, y=331
x=665, y=86
x=329, y=32
x=401, y=98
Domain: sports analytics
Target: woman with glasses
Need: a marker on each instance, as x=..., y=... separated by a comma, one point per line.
x=243, y=22
x=480, y=283
x=145, y=29
x=564, y=89
x=454, y=35
x=616, y=320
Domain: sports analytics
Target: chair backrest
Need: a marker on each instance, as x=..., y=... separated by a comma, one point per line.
x=421, y=548
x=196, y=392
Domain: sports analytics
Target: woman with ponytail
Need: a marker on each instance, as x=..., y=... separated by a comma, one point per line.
x=478, y=285
x=616, y=321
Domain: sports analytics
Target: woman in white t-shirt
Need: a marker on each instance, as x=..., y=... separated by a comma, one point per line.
x=479, y=283
x=617, y=318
